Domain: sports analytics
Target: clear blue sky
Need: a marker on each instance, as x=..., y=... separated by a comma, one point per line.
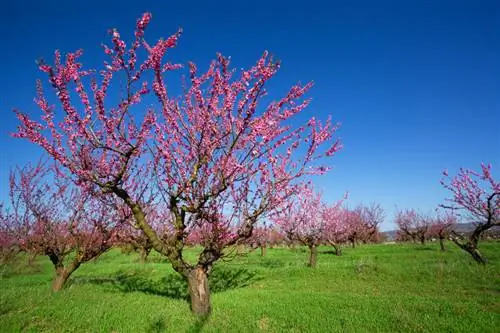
x=416, y=84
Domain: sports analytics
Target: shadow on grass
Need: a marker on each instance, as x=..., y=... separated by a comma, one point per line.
x=156, y=326
x=272, y=263
x=329, y=252
x=172, y=285
x=198, y=325
x=425, y=248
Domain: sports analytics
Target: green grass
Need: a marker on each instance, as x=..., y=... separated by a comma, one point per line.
x=373, y=288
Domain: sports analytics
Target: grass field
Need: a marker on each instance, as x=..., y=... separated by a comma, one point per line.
x=373, y=288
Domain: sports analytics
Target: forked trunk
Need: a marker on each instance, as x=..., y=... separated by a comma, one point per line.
x=313, y=256
x=199, y=291
x=338, y=249
x=263, y=250
x=62, y=275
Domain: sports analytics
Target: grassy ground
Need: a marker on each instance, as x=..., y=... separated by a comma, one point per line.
x=373, y=288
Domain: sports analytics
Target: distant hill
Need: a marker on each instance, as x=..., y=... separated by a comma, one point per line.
x=460, y=228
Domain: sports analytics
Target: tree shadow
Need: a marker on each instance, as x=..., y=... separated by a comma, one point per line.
x=173, y=285
x=272, y=263
x=425, y=248
x=198, y=325
x=328, y=252
x=156, y=326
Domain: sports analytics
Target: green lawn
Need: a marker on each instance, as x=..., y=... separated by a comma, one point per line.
x=373, y=288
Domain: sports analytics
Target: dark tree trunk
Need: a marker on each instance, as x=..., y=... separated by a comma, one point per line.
x=470, y=246
x=441, y=243
x=338, y=249
x=476, y=255
x=313, y=256
x=199, y=291
x=263, y=250
x=422, y=240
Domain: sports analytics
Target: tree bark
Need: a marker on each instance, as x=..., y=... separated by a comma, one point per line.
x=62, y=275
x=144, y=254
x=338, y=249
x=353, y=242
x=313, y=256
x=470, y=246
x=199, y=291
x=476, y=255
x=422, y=240
x=263, y=250
x=441, y=243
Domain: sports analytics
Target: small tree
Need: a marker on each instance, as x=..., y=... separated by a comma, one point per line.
x=372, y=216
x=214, y=151
x=337, y=229
x=305, y=218
x=9, y=246
x=476, y=195
x=261, y=238
x=413, y=225
x=56, y=219
x=441, y=227
x=355, y=225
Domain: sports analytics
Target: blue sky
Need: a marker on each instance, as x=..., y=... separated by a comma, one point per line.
x=415, y=83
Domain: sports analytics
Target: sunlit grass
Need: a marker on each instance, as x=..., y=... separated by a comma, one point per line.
x=373, y=288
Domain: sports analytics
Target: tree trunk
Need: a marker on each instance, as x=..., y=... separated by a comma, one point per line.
x=441, y=243
x=422, y=240
x=240, y=249
x=62, y=275
x=263, y=250
x=470, y=246
x=144, y=254
x=476, y=255
x=313, y=256
x=338, y=249
x=199, y=291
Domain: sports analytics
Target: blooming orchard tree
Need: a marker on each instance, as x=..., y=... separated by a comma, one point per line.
x=53, y=218
x=413, y=225
x=337, y=230
x=306, y=219
x=261, y=237
x=476, y=196
x=214, y=151
x=355, y=225
x=9, y=247
x=372, y=216
x=441, y=227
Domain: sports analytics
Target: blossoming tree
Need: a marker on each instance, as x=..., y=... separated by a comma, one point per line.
x=217, y=156
x=476, y=195
x=441, y=227
x=53, y=218
x=412, y=224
